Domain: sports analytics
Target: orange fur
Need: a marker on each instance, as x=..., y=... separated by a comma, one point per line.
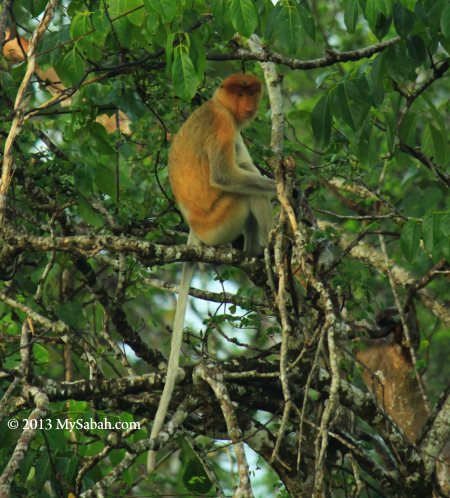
x=15, y=50
x=216, y=123
x=220, y=192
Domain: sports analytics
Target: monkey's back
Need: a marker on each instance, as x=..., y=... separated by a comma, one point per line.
x=205, y=207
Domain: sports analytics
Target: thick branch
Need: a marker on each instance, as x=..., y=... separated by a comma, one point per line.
x=148, y=252
x=329, y=59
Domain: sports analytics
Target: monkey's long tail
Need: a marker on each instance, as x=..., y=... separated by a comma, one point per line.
x=172, y=366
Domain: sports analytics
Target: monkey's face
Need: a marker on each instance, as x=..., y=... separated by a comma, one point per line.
x=240, y=94
x=246, y=104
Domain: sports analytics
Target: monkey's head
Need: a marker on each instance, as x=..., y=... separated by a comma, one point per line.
x=240, y=94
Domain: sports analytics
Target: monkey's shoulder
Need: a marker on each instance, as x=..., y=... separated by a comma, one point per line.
x=210, y=123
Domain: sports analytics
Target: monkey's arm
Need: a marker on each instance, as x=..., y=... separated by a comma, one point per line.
x=227, y=175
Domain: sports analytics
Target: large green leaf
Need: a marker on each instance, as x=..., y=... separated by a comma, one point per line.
x=285, y=28
x=434, y=144
x=351, y=101
x=195, y=478
x=321, y=120
x=431, y=230
x=184, y=76
x=341, y=104
x=167, y=9
x=88, y=37
x=71, y=69
x=351, y=15
x=307, y=19
x=244, y=16
x=417, y=50
x=445, y=22
x=410, y=240
x=377, y=13
x=88, y=214
x=404, y=19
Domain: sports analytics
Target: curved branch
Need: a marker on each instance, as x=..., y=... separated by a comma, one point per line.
x=331, y=57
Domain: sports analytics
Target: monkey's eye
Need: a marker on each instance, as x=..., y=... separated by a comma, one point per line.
x=240, y=94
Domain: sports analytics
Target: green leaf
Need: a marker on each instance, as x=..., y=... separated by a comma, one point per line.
x=198, y=54
x=377, y=13
x=382, y=26
x=307, y=20
x=313, y=394
x=352, y=101
x=351, y=15
x=101, y=140
x=105, y=180
x=341, y=104
x=244, y=16
x=25, y=465
x=321, y=120
x=371, y=13
x=404, y=19
x=410, y=240
x=80, y=25
x=430, y=12
x=445, y=22
x=285, y=28
x=222, y=21
x=88, y=214
x=40, y=353
x=37, y=7
x=136, y=13
x=167, y=9
x=87, y=38
x=445, y=224
x=364, y=143
x=195, y=478
x=378, y=70
x=71, y=69
x=440, y=145
x=400, y=66
x=409, y=4
x=434, y=144
x=169, y=52
x=431, y=231
x=408, y=128
x=42, y=468
x=71, y=313
x=184, y=77
x=417, y=50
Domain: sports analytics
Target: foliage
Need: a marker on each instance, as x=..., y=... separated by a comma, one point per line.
x=365, y=88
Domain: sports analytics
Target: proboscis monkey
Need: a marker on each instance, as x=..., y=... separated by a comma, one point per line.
x=15, y=51
x=220, y=192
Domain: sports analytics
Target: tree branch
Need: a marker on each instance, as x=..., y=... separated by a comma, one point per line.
x=331, y=57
